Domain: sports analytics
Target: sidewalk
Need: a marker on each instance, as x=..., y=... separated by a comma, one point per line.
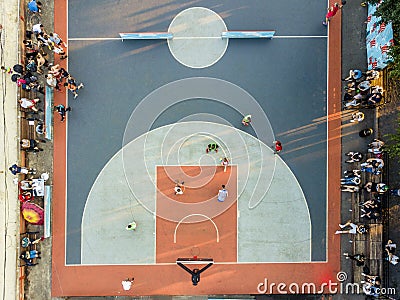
x=9, y=206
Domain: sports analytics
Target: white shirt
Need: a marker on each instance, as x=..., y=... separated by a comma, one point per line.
x=25, y=103
x=36, y=28
x=126, y=285
x=222, y=194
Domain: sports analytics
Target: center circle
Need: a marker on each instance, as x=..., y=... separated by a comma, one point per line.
x=197, y=41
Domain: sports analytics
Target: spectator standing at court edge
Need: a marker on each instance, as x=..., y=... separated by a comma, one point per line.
x=35, y=7
x=332, y=12
x=222, y=194
x=127, y=283
x=62, y=111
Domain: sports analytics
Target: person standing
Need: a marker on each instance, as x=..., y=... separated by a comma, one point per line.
x=331, y=13
x=246, y=120
x=278, y=146
x=131, y=226
x=62, y=111
x=35, y=7
x=127, y=283
x=224, y=163
x=222, y=194
x=73, y=86
x=15, y=169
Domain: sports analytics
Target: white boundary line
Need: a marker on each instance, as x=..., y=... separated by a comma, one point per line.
x=155, y=214
x=66, y=158
x=215, y=263
x=327, y=148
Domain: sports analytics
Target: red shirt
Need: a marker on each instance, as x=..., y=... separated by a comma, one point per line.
x=278, y=146
x=332, y=11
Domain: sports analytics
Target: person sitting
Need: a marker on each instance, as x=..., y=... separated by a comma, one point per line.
x=352, y=101
x=357, y=117
x=354, y=156
x=131, y=226
x=31, y=254
x=374, y=98
x=378, y=144
x=370, y=213
x=371, y=203
x=179, y=188
x=364, y=85
x=390, y=249
x=351, y=180
x=372, y=279
x=373, y=187
x=358, y=258
x=213, y=146
x=354, y=75
x=28, y=262
x=30, y=145
x=373, y=162
x=352, y=228
x=246, y=120
x=29, y=185
x=371, y=75
x=350, y=188
x=352, y=173
x=370, y=290
x=29, y=103
x=25, y=196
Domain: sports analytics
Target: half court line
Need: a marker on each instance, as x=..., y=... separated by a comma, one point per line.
x=203, y=37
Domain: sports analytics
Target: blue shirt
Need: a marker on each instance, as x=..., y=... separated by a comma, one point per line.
x=32, y=6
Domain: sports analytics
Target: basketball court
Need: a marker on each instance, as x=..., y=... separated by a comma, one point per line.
x=143, y=121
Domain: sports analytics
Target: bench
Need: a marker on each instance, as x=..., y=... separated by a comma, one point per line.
x=29, y=122
x=266, y=34
x=47, y=211
x=146, y=36
x=48, y=113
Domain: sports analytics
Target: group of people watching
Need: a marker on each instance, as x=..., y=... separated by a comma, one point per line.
x=38, y=45
x=352, y=180
x=359, y=91
x=364, y=178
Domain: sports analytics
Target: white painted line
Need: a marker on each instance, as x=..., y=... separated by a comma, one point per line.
x=191, y=215
x=202, y=37
x=299, y=36
x=94, y=39
x=196, y=37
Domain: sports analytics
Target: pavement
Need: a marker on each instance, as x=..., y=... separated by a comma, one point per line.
x=9, y=127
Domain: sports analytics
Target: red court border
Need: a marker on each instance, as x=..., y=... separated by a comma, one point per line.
x=219, y=279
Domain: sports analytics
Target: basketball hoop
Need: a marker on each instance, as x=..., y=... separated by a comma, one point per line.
x=182, y=262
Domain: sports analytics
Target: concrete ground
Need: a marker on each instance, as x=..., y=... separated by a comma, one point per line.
x=9, y=154
x=353, y=35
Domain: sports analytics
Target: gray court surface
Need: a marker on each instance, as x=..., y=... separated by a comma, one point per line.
x=286, y=76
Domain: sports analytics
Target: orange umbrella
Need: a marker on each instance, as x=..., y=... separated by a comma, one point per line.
x=32, y=213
